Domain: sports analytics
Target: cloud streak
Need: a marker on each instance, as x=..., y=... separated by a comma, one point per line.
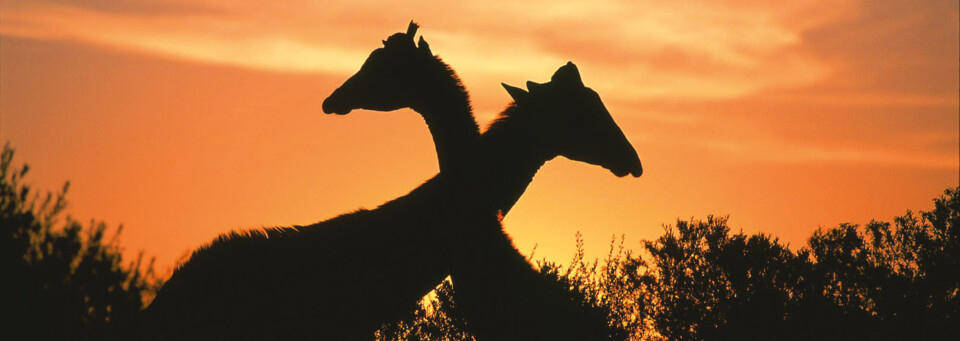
x=702, y=52
x=635, y=49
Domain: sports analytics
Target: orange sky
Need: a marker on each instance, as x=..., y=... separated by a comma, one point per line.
x=185, y=119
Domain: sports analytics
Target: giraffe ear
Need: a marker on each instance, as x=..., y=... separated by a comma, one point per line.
x=424, y=47
x=518, y=94
x=567, y=74
x=534, y=86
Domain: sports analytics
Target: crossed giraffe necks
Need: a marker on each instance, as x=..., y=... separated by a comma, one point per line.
x=502, y=296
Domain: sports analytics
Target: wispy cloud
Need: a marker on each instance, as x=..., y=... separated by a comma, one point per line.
x=635, y=49
x=702, y=52
x=203, y=37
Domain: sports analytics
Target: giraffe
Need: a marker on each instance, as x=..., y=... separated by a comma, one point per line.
x=407, y=75
x=495, y=312
x=501, y=296
x=336, y=279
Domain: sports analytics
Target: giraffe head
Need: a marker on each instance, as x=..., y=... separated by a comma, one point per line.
x=391, y=78
x=569, y=119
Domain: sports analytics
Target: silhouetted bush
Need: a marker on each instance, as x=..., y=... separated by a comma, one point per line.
x=62, y=281
x=709, y=284
x=900, y=282
x=610, y=287
x=699, y=281
x=434, y=318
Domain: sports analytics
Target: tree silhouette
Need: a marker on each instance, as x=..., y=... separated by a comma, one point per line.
x=603, y=287
x=890, y=283
x=62, y=281
x=699, y=281
x=435, y=318
x=709, y=284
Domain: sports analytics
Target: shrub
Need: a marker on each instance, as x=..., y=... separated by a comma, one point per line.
x=63, y=280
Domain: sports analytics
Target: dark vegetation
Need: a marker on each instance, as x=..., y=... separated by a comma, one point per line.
x=700, y=281
x=697, y=281
x=62, y=280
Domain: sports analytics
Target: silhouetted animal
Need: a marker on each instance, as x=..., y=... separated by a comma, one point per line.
x=500, y=294
x=405, y=75
x=338, y=279
x=342, y=278
x=532, y=306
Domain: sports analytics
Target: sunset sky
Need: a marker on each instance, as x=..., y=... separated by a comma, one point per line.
x=185, y=119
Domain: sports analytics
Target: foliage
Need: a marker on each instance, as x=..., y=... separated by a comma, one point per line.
x=62, y=281
x=434, y=318
x=901, y=282
x=610, y=287
x=709, y=284
x=699, y=281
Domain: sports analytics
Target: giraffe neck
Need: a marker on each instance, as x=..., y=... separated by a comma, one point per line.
x=510, y=158
x=445, y=107
x=501, y=163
